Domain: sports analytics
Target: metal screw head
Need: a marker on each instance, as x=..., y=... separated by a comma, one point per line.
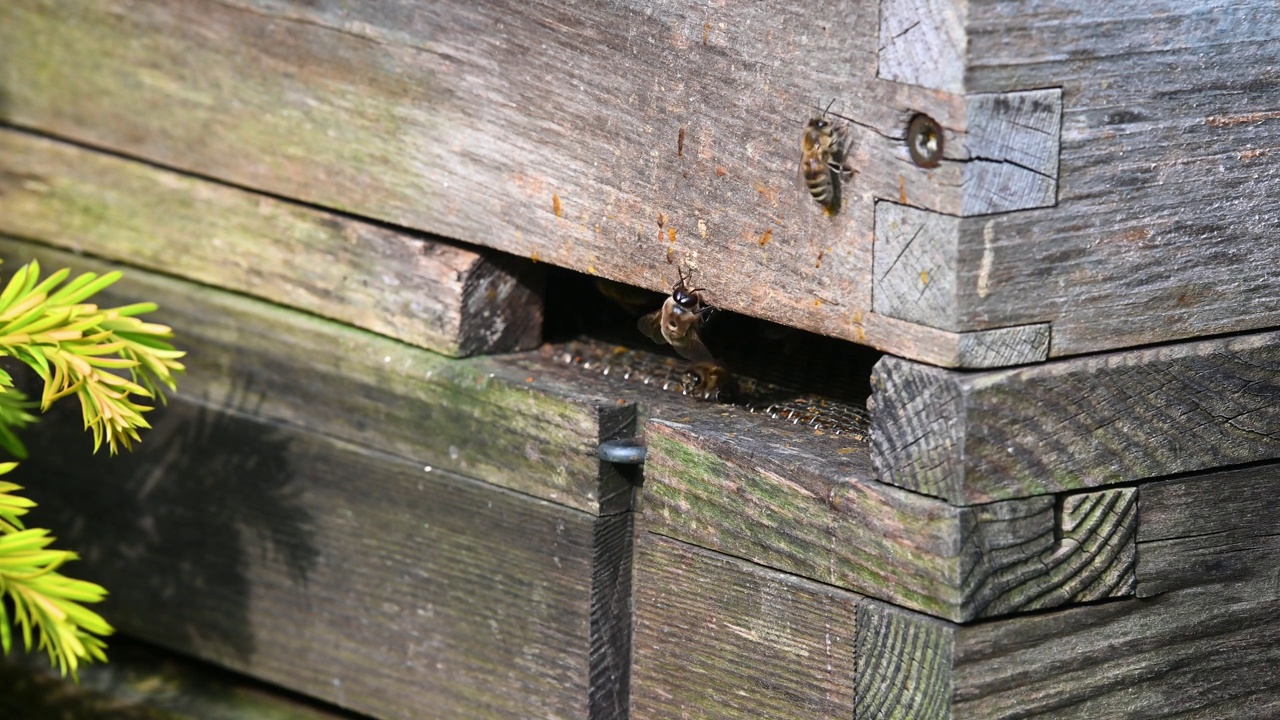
x=624, y=451
x=924, y=140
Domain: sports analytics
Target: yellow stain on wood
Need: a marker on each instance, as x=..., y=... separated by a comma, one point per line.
x=924, y=278
x=817, y=302
x=534, y=256
x=766, y=237
x=768, y=194
x=702, y=229
x=902, y=190
x=555, y=205
x=591, y=269
x=671, y=234
x=1243, y=119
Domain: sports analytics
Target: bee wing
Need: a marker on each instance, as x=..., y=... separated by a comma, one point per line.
x=651, y=326
x=693, y=349
x=840, y=152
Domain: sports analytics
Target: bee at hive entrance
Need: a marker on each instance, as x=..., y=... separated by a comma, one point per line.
x=757, y=366
x=679, y=321
x=824, y=167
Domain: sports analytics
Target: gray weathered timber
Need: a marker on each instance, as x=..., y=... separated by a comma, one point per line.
x=434, y=117
x=1164, y=226
x=716, y=637
x=480, y=417
x=1021, y=562
x=1206, y=648
x=786, y=505
x=922, y=42
x=342, y=573
x=416, y=289
x=1011, y=150
x=1076, y=423
x=1207, y=652
x=1209, y=528
x=915, y=265
x=903, y=666
x=142, y=682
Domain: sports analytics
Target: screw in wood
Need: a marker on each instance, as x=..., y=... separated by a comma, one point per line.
x=624, y=451
x=924, y=140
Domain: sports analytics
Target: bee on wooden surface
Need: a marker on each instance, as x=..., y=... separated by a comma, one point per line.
x=709, y=381
x=678, y=321
x=823, y=166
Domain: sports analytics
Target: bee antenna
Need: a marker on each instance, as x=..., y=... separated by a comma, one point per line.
x=833, y=102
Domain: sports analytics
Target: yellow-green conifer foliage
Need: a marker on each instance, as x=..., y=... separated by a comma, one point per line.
x=116, y=365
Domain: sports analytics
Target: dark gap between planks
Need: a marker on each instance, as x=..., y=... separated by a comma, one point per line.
x=787, y=374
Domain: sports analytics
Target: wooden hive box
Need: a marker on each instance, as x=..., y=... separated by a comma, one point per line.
x=1056, y=229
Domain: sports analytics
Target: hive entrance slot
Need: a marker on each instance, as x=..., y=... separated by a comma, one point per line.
x=787, y=374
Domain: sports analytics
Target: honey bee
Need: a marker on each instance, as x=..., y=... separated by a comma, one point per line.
x=678, y=320
x=709, y=381
x=822, y=160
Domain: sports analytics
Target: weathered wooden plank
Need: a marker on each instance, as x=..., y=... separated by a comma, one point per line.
x=1023, y=562
x=904, y=664
x=1200, y=652
x=1011, y=148
x=255, y=545
x=1208, y=528
x=480, y=417
x=731, y=489
x=915, y=265
x=1164, y=204
x=716, y=637
x=1204, y=652
x=922, y=42
x=1077, y=423
x=415, y=116
x=142, y=682
x=396, y=283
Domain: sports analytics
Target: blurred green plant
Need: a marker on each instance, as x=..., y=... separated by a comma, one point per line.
x=114, y=363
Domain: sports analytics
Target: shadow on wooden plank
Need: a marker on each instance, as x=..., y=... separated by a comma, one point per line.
x=145, y=683
x=141, y=505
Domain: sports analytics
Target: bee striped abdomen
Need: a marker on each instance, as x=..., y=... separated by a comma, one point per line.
x=817, y=176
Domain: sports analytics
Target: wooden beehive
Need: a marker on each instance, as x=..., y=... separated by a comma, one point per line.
x=355, y=214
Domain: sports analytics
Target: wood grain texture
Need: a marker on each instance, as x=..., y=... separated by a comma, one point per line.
x=1012, y=145
x=142, y=682
x=1021, y=562
x=914, y=265
x=342, y=573
x=1076, y=423
x=904, y=664
x=978, y=349
x=1207, y=652
x=396, y=283
x=922, y=42
x=790, y=510
x=1164, y=219
x=1003, y=347
x=720, y=638
x=413, y=116
x=1208, y=528
x=480, y=417
x=785, y=512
